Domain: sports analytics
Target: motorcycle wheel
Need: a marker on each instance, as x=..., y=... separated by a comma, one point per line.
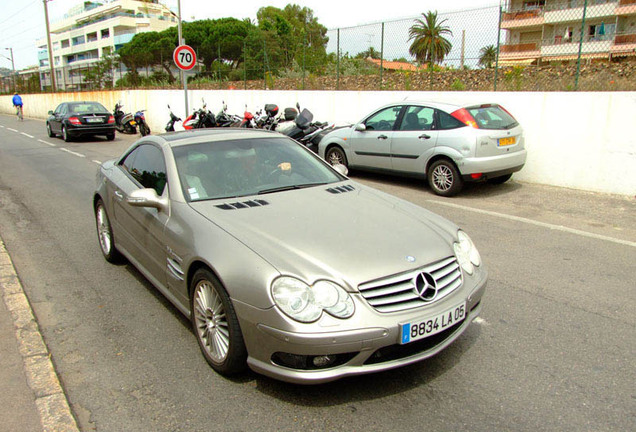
x=129, y=129
x=144, y=129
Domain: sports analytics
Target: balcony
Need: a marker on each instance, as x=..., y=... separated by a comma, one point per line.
x=572, y=11
x=530, y=50
x=626, y=7
x=624, y=43
x=522, y=18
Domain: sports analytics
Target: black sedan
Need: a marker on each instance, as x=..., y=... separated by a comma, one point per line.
x=79, y=118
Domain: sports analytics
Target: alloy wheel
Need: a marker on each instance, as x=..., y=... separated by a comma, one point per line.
x=103, y=231
x=443, y=177
x=211, y=321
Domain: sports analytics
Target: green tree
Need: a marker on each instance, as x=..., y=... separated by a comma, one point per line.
x=429, y=44
x=371, y=52
x=100, y=74
x=487, y=56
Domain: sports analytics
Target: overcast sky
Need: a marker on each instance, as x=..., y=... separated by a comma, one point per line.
x=22, y=21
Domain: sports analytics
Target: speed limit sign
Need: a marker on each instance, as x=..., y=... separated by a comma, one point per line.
x=184, y=57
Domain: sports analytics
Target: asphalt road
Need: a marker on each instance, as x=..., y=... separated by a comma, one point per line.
x=554, y=348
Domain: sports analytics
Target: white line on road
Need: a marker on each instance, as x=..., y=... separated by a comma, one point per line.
x=1, y=126
x=537, y=223
x=47, y=143
x=12, y=130
x=27, y=135
x=97, y=162
x=71, y=152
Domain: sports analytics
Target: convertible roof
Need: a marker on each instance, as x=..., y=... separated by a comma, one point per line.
x=214, y=134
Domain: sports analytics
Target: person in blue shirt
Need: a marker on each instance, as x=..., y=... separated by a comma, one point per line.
x=17, y=103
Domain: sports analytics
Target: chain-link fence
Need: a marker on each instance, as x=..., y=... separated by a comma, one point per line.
x=523, y=45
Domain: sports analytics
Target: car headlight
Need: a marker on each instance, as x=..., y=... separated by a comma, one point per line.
x=305, y=303
x=466, y=252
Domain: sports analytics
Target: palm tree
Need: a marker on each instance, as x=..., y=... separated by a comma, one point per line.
x=488, y=55
x=429, y=44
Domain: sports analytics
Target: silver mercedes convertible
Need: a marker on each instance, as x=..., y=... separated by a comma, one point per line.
x=281, y=262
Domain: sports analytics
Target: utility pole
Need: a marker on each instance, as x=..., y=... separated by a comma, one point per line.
x=463, y=48
x=15, y=87
x=48, y=40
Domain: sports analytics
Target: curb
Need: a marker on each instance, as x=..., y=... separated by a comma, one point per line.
x=50, y=400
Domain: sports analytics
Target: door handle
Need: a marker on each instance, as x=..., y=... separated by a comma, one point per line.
x=424, y=136
x=382, y=137
x=119, y=195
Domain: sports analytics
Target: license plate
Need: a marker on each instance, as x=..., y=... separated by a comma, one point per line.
x=94, y=120
x=506, y=141
x=429, y=326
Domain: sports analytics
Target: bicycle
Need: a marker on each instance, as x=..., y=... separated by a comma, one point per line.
x=19, y=113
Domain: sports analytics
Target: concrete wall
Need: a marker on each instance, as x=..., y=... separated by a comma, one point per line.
x=578, y=140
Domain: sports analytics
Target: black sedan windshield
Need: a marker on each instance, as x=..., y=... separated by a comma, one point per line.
x=247, y=167
x=86, y=107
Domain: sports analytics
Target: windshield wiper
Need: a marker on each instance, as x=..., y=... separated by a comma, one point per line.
x=289, y=187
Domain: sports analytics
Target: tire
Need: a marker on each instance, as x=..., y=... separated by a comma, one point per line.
x=500, y=180
x=144, y=129
x=49, y=131
x=336, y=155
x=216, y=325
x=444, y=178
x=105, y=235
x=129, y=129
x=110, y=136
x=65, y=136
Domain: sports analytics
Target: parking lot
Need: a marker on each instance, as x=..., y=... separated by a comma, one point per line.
x=553, y=349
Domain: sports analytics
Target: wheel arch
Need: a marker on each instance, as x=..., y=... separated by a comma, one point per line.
x=437, y=157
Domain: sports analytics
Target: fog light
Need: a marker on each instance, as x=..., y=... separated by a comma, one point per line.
x=323, y=360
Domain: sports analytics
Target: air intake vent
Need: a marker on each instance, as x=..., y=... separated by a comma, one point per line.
x=243, y=204
x=341, y=189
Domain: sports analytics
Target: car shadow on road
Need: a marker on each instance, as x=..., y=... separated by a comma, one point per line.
x=372, y=386
x=471, y=190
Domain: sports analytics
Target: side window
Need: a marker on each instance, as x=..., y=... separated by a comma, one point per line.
x=418, y=118
x=61, y=109
x=383, y=120
x=146, y=164
x=446, y=121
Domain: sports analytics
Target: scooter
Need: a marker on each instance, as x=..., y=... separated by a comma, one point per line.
x=124, y=122
x=201, y=118
x=173, y=120
x=140, y=119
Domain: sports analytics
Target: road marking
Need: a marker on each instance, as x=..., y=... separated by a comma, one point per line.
x=71, y=152
x=537, y=223
x=47, y=143
x=27, y=135
x=1, y=126
x=12, y=130
x=97, y=162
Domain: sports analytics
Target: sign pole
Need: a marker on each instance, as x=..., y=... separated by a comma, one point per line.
x=184, y=77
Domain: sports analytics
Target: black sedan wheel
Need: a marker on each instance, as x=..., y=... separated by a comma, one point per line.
x=49, y=131
x=105, y=234
x=335, y=155
x=110, y=136
x=65, y=135
x=215, y=324
x=444, y=178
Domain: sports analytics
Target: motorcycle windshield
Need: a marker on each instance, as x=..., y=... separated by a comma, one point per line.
x=304, y=119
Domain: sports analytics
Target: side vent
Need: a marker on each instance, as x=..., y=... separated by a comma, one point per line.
x=242, y=205
x=341, y=189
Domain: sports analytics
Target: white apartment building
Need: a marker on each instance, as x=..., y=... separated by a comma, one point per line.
x=543, y=31
x=93, y=29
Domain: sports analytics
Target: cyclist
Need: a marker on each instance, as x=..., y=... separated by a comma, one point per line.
x=17, y=103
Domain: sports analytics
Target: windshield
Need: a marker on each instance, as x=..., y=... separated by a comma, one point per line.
x=492, y=117
x=236, y=168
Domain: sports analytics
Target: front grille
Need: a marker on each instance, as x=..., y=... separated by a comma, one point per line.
x=398, y=292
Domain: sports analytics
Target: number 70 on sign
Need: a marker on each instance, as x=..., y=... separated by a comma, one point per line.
x=184, y=57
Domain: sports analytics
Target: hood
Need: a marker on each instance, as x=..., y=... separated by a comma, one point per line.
x=345, y=231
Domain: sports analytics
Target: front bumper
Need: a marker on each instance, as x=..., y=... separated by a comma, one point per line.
x=361, y=348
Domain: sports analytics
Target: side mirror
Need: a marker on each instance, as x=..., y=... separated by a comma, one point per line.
x=50, y=112
x=360, y=127
x=147, y=198
x=342, y=169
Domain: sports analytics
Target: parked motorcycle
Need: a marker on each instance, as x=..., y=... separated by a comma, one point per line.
x=201, y=118
x=140, y=119
x=248, y=120
x=286, y=120
x=223, y=119
x=173, y=120
x=124, y=122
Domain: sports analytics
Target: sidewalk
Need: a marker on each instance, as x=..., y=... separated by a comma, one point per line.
x=31, y=398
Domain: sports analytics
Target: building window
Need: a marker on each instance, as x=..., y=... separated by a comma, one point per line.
x=105, y=33
x=79, y=40
x=65, y=43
